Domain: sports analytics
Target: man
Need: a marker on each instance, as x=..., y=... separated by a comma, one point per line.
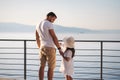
x=46, y=41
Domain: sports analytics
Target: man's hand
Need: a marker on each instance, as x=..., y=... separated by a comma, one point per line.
x=61, y=52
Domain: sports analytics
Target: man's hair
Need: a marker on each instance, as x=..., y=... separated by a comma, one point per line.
x=51, y=14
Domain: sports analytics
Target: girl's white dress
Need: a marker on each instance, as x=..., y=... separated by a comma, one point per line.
x=66, y=67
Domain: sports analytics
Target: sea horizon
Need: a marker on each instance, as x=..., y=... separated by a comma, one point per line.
x=87, y=36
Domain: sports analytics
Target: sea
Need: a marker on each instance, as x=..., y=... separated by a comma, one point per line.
x=86, y=60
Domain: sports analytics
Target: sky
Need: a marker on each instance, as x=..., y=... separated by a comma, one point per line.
x=90, y=14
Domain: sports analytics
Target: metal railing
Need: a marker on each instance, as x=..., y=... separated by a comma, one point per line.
x=9, y=47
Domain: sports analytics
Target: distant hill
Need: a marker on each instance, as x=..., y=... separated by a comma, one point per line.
x=16, y=27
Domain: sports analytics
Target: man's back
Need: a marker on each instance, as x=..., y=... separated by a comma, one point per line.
x=45, y=37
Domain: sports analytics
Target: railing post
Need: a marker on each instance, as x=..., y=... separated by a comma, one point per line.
x=101, y=60
x=24, y=59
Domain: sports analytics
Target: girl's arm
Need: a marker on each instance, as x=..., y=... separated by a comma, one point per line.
x=66, y=58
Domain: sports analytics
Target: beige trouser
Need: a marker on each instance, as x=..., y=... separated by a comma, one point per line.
x=48, y=54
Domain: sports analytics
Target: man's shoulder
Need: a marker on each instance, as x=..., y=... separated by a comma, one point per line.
x=45, y=21
x=48, y=24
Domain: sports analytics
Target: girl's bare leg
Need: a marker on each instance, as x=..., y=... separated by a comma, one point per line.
x=71, y=78
x=68, y=77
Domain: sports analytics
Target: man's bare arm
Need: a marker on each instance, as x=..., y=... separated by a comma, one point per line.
x=55, y=39
x=37, y=39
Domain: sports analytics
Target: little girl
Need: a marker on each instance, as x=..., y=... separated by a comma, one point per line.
x=67, y=62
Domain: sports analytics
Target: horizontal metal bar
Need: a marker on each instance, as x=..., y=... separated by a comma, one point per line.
x=45, y=76
x=110, y=62
x=31, y=48
x=96, y=41
x=87, y=49
x=12, y=74
x=76, y=78
x=58, y=77
x=98, y=61
x=76, y=73
x=76, y=55
x=111, y=68
x=111, y=74
x=87, y=55
x=57, y=60
x=75, y=49
x=11, y=48
x=74, y=67
x=11, y=53
x=86, y=73
x=59, y=55
x=85, y=67
x=33, y=64
x=16, y=40
x=111, y=50
x=12, y=58
x=74, y=60
x=87, y=79
x=86, y=61
x=110, y=56
x=10, y=64
x=61, y=40
x=97, y=49
x=11, y=69
x=59, y=66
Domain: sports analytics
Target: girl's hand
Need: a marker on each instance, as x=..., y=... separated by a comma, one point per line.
x=60, y=44
x=61, y=52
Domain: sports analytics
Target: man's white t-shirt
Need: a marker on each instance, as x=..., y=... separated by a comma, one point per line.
x=43, y=31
